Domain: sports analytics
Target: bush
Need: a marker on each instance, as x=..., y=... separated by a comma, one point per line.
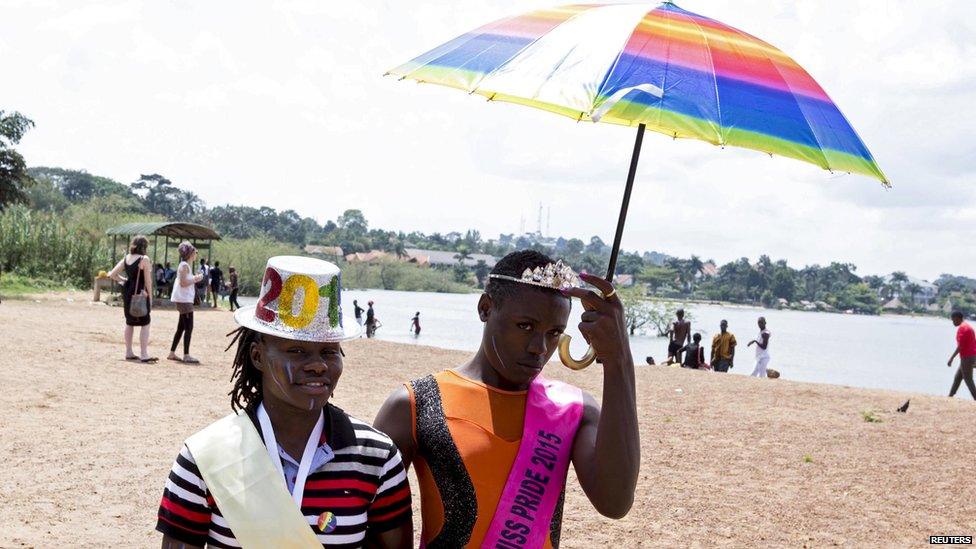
x=249, y=257
x=396, y=275
x=41, y=245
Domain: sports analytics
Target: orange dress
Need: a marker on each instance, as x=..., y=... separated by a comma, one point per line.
x=485, y=425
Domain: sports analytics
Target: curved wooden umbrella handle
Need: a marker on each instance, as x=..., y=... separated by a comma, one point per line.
x=567, y=358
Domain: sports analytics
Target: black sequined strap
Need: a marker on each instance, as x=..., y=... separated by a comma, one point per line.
x=556, y=524
x=436, y=446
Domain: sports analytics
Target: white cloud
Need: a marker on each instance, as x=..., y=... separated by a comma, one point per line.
x=283, y=104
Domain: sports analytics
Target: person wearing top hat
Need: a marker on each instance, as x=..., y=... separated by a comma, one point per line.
x=288, y=468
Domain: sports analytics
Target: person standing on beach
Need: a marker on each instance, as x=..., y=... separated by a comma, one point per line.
x=762, y=349
x=723, y=348
x=287, y=468
x=204, y=282
x=183, y=296
x=680, y=334
x=137, y=281
x=232, y=275
x=216, y=281
x=492, y=440
x=966, y=349
x=370, y=321
x=358, y=312
x=415, y=324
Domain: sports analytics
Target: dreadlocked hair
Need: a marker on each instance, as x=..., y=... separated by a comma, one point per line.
x=514, y=264
x=246, y=393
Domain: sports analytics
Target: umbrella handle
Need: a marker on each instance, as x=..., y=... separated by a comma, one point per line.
x=568, y=360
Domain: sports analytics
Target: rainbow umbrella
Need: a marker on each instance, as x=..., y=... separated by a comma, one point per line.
x=664, y=69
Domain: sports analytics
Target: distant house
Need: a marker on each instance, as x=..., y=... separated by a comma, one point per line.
x=329, y=252
x=927, y=293
x=709, y=269
x=438, y=258
x=371, y=256
x=894, y=305
x=374, y=256
x=624, y=280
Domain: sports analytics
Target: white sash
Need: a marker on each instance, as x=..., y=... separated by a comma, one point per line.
x=248, y=487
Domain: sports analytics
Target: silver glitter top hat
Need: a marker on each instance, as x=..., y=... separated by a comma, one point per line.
x=557, y=276
x=301, y=299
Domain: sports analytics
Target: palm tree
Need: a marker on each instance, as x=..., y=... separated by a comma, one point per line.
x=462, y=255
x=899, y=279
x=399, y=249
x=913, y=290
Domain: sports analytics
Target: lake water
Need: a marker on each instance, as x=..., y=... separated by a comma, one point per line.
x=883, y=352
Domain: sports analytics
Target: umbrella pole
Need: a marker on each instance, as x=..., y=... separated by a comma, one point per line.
x=625, y=204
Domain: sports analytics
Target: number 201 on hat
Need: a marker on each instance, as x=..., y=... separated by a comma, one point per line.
x=284, y=292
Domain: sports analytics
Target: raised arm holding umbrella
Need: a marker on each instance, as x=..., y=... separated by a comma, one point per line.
x=664, y=69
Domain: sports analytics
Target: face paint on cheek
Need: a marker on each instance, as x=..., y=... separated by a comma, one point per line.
x=288, y=373
x=498, y=357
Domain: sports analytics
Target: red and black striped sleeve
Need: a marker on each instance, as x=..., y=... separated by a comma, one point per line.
x=184, y=511
x=391, y=506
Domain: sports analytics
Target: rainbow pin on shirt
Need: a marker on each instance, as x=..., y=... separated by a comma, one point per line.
x=327, y=522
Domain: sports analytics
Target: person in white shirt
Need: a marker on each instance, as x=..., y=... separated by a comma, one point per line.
x=183, y=294
x=762, y=349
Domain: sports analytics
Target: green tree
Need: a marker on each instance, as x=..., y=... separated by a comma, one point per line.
x=858, y=298
x=354, y=222
x=655, y=277
x=874, y=282
x=596, y=246
x=898, y=280
x=629, y=264
x=641, y=314
x=472, y=239
x=44, y=196
x=163, y=198
x=783, y=284
x=481, y=272
x=14, y=179
x=574, y=247
x=79, y=186
x=913, y=290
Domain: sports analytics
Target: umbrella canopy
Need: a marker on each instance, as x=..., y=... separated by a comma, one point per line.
x=671, y=70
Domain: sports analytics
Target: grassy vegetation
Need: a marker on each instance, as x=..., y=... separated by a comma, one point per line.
x=45, y=250
x=14, y=285
x=249, y=256
x=42, y=246
x=870, y=416
x=393, y=275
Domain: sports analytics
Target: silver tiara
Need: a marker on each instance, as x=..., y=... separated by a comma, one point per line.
x=558, y=276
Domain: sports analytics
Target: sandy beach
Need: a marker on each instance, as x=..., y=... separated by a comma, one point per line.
x=88, y=439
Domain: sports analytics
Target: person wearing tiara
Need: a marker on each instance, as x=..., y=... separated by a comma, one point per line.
x=288, y=468
x=492, y=439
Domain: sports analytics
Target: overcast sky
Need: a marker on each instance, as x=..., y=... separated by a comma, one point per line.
x=283, y=103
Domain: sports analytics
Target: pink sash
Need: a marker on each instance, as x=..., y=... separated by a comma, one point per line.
x=552, y=415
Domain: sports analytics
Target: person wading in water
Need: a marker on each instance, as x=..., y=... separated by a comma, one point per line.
x=680, y=334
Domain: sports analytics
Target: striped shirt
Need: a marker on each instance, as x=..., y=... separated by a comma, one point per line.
x=364, y=485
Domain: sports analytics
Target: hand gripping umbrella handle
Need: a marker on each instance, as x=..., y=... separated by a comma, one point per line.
x=567, y=358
